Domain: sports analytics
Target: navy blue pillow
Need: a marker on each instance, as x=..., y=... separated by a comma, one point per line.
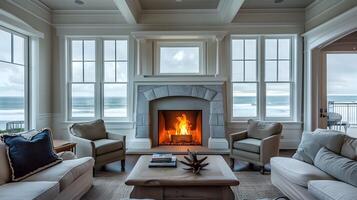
x=29, y=156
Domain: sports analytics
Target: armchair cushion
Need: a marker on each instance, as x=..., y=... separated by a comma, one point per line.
x=260, y=130
x=93, y=130
x=104, y=146
x=249, y=144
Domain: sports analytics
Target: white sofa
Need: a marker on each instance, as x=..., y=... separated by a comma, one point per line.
x=68, y=180
x=299, y=180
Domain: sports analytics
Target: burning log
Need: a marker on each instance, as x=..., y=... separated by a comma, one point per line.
x=181, y=139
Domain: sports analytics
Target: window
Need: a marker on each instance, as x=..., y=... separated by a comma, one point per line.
x=13, y=81
x=98, y=78
x=244, y=77
x=277, y=77
x=261, y=77
x=115, y=78
x=180, y=58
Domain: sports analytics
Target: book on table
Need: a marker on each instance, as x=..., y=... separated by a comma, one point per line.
x=163, y=160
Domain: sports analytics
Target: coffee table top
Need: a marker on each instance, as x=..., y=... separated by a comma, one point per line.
x=217, y=173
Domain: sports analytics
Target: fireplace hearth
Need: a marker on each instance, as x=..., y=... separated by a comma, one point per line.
x=180, y=127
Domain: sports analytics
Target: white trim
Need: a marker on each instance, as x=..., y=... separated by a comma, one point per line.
x=217, y=143
x=14, y=23
x=316, y=39
x=34, y=8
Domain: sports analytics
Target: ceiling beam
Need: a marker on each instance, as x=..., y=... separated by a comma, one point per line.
x=228, y=9
x=130, y=10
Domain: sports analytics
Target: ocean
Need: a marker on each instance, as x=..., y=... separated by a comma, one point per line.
x=12, y=108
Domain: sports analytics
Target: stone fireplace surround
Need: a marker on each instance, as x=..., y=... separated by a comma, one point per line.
x=213, y=94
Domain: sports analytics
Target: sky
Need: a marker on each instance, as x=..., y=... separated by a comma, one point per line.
x=342, y=74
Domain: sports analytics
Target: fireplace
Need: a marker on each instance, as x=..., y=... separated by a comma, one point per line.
x=179, y=127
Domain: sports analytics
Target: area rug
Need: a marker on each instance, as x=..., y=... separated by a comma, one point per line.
x=110, y=185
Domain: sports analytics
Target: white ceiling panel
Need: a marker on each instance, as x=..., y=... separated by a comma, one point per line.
x=261, y=4
x=88, y=5
x=178, y=4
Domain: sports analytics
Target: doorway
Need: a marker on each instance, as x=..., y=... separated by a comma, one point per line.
x=339, y=98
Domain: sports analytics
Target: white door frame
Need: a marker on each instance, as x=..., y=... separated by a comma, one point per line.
x=315, y=40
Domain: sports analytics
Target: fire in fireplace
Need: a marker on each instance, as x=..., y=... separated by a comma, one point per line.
x=180, y=127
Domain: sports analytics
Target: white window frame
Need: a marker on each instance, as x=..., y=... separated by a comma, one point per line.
x=261, y=83
x=26, y=72
x=175, y=43
x=257, y=82
x=98, y=84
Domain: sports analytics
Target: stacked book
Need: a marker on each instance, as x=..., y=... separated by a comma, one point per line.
x=163, y=160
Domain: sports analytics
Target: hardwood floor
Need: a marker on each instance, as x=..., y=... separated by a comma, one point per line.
x=109, y=183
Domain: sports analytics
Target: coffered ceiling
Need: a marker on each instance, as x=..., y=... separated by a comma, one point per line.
x=266, y=4
x=168, y=12
x=87, y=5
x=178, y=4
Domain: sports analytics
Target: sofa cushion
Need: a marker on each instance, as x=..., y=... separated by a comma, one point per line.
x=261, y=130
x=103, y=146
x=311, y=143
x=349, y=148
x=332, y=190
x=5, y=173
x=65, y=173
x=41, y=190
x=341, y=168
x=298, y=172
x=249, y=144
x=93, y=130
x=27, y=157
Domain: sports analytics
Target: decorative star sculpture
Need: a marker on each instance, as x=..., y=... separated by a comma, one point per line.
x=193, y=163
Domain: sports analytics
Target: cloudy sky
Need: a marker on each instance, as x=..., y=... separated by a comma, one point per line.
x=342, y=74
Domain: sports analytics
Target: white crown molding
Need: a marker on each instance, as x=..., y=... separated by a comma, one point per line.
x=42, y=5
x=11, y=21
x=143, y=35
x=322, y=10
x=34, y=8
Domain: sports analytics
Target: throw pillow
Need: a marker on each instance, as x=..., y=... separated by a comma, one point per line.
x=349, y=148
x=341, y=168
x=29, y=156
x=260, y=130
x=94, y=130
x=311, y=143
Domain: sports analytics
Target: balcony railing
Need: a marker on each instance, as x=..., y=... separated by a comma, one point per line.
x=348, y=110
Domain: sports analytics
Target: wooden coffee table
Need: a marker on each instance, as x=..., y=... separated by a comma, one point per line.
x=179, y=184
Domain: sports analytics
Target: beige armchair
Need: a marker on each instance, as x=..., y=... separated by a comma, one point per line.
x=93, y=140
x=257, y=144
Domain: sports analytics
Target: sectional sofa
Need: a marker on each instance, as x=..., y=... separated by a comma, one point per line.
x=300, y=180
x=68, y=180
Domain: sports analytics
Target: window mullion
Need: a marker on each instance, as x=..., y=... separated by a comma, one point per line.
x=99, y=78
x=262, y=86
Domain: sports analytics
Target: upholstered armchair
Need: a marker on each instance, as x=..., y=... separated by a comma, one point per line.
x=93, y=140
x=257, y=144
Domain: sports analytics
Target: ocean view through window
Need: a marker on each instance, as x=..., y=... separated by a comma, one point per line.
x=13, y=81
x=341, y=90
x=98, y=84
x=261, y=77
